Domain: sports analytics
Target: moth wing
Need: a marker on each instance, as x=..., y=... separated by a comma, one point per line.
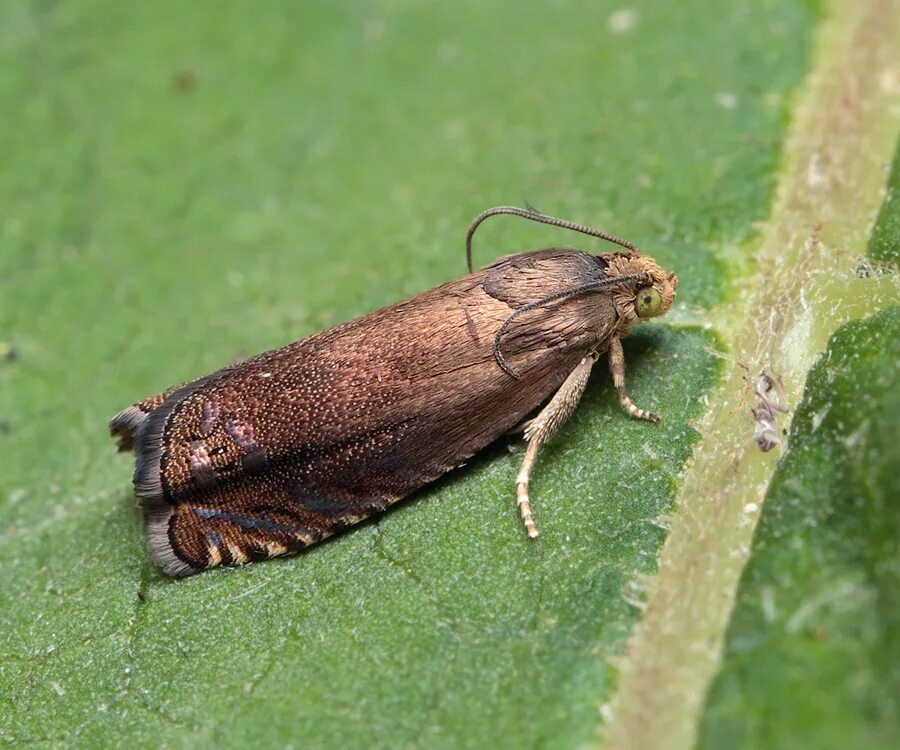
x=282, y=450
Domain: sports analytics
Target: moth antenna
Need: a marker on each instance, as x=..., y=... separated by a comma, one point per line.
x=556, y=297
x=534, y=215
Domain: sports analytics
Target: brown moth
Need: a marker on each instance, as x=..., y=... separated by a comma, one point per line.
x=274, y=453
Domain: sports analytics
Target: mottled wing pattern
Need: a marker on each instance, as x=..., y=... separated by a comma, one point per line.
x=275, y=453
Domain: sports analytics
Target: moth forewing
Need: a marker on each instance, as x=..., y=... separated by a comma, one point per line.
x=275, y=453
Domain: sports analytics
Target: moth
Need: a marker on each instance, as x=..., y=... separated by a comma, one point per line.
x=277, y=452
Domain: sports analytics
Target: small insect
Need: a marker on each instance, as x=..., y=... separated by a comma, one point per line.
x=770, y=400
x=277, y=452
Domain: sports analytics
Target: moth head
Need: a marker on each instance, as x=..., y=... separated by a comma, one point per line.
x=640, y=300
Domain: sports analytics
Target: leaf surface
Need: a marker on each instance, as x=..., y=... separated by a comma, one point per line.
x=183, y=186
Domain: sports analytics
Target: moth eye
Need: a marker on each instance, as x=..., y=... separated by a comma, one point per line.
x=648, y=303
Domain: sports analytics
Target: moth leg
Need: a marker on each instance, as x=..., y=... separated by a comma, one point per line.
x=540, y=429
x=521, y=427
x=617, y=369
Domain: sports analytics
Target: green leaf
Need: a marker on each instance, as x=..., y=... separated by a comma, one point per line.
x=813, y=646
x=811, y=280
x=183, y=185
x=885, y=242
x=813, y=649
